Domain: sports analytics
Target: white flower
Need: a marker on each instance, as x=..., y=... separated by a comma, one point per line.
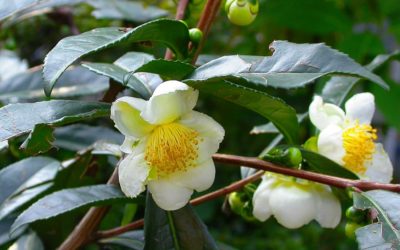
x=348, y=138
x=295, y=203
x=10, y=65
x=169, y=145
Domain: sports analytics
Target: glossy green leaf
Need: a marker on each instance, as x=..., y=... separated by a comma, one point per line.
x=131, y=240
x=294, y=65
x=40, y=140
x=170, y=32
x=320, y=164
x=126, y=10
x=338, y=87
x=272, y=108
x=28, y=86
x=9, y=9
x=17, y=119
x=385, y=233
x=270, y=128
x=68, y=200
x=5, y=225
x=29, y=241
x=174, y=70
x=179, y=229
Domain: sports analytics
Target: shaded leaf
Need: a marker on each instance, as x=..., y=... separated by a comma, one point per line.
x=320, y=164
x=29, y=241
x=132, y=240
x=385, y=233
x=174, y=70
x=270, y=128
x=170, y=32
x=9, y=9
x=5, y=225
x=182, y=227
x=17, y=119
x=40, y=140
x=68, y=200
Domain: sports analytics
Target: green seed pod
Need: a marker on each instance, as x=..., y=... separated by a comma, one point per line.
x=195, y=35
x=290, y=157
x=350, y=229
x=241, y=12
x=355, y=214
x=294, y=157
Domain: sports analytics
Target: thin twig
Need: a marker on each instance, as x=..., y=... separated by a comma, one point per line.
x=199, y=200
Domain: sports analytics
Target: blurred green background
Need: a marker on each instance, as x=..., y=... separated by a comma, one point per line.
x=360, y=28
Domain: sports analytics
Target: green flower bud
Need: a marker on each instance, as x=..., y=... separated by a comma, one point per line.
x=294, y=157
x=195, y=35
x=235, y=202
x=350, y=229
x=241, y=12
x=290, y=157
x=355, y=214
x=311, y=144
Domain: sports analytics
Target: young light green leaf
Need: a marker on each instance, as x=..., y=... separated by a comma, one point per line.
x=385, y=233
x=40, y=140
x=274, y=109
x=338, y=87
x=180, y=229
x=172, y=33
x=17, y=119
x=68, y=200
x=320, y=164
x=174, y=70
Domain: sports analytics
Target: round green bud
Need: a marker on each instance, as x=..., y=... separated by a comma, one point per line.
x=294, y=157
x=235, y=202
x=241, y=12
x=311, y=144
x=350, y=229
x=355, y=214
x=195, y=35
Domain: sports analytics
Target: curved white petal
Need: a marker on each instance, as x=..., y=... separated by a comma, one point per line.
x=170, y=100
x=380, y=168
x=168, y=195
x=125, y=112
x=292, y=206
x=210, y=132
x=324, y=114
x=361, y=108
x=330, y=143
x=261, y=208
x=133, y=172
x=128, y=144
x=329, y=211
x=198, y=178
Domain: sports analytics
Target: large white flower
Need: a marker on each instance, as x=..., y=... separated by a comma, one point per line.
x=295, y=203
x=348, y=138
x=169, y=145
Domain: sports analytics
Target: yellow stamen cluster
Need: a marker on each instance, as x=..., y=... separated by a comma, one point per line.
x=358, y=142
x=172, y=147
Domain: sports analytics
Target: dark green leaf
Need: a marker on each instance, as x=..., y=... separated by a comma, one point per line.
x=180, y=229
x=388, y=103
x=270, y=128
x=385, y=233
x=126, y=10
x=338, y=87
x=68, y=200
x=5, y=225
x=132, y=240
x=170, y=32
x=28, y=241
x=17, y=119
x=272, y=108
x=174, y=70
x=320, y=164
x=15, y=175
x=40, y=140
x=76, y=81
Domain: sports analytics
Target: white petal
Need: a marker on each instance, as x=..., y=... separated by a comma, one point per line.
x=125, y=112
x=380, y=168
x=292, y=206
x=324, y=114
x=170, y=100
x=329, y=211
x=198, y=178
x=261, y=208
x=330, y=143
x=133, y=172
x=210, y=131
x=168, y=195
x=361, y=107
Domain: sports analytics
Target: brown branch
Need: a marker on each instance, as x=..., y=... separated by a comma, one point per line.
x=199, y=200
x=205, y=22
x=321, y=178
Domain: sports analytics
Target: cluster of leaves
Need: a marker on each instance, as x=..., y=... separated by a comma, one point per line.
x=38, y=191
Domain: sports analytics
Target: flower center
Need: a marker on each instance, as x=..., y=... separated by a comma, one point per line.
x=170, y=148
x=358, y=142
